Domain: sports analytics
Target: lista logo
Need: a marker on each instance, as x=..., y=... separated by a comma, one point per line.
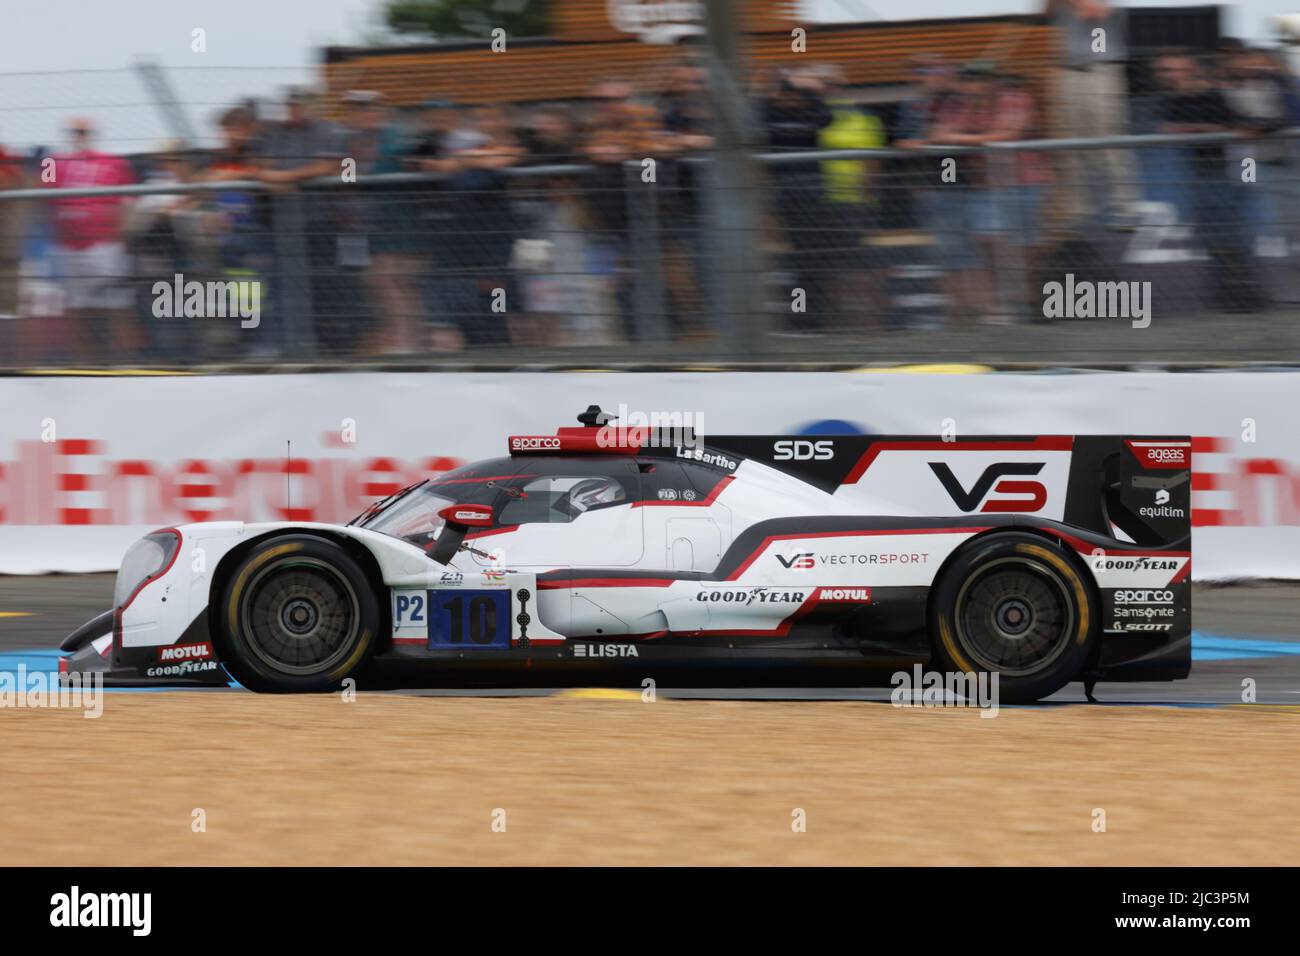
x=1033, y=494
x=803, y=451
x=605, y=650
x=185, y=652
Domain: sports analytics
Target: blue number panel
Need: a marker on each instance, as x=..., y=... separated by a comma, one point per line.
x=469, y=620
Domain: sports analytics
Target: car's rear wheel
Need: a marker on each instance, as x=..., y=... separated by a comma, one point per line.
x=297, y=614
x=1014, y=604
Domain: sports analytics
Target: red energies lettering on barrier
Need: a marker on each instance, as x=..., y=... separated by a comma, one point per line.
x=1254, y=493
x=69, y=482
x=77, y=481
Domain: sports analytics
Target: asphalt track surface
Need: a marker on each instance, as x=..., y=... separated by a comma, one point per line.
x=1241, y=631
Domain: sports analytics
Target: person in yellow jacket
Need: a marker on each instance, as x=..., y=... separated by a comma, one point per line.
x=851, y=208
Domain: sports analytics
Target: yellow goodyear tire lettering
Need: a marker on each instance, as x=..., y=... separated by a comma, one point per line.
x=339, y=672
x=1068, y=572
x=950, y=645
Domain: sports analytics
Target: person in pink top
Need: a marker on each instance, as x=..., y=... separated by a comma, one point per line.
x=1017, y=186
x=992, y=212
x=91, y=262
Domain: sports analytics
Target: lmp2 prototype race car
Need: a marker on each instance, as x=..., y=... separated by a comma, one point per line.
x=1045, y=560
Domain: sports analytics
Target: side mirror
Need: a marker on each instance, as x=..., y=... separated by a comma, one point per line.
x=468, y=516
x=459, y=519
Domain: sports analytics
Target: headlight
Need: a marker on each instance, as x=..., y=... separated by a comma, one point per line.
x=145, y=560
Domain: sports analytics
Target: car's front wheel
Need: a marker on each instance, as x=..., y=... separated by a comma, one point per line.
x=296, y=614
x=1013, y=604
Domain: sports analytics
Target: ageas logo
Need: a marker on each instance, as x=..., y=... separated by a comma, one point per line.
x=1030, y=495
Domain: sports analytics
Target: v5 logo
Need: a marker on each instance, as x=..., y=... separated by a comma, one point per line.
x=969, y=500
x=797, y=562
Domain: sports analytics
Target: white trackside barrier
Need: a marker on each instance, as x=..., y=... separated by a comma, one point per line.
x=87, y=465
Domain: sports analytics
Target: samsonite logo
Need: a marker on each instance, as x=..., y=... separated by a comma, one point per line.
x=185, y=652
x=791, y=450
x=990, y=493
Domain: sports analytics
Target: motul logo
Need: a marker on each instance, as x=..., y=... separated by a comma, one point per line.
x=1032, y=495
x=860, y=595
x=185, y=652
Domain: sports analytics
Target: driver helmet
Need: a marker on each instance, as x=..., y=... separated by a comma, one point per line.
x=595, y=491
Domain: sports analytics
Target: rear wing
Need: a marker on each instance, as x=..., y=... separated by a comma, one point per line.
x=1129, y=488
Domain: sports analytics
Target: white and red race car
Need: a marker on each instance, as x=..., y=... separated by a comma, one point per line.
x=1046, y=559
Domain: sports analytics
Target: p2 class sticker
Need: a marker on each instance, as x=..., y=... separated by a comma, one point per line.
x=469, y=620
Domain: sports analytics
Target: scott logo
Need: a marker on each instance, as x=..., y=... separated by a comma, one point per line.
x=803, y=451
x=797, y=562
x=1034, y=491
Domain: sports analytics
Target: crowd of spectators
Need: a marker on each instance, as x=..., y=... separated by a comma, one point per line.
x=518, y=224
x=456, y=253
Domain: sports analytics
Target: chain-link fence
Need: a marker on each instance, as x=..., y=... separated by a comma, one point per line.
x=853, y=245
x=983, y=189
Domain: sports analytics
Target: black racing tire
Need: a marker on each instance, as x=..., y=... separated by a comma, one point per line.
x=296, y=614
x=1015, y=604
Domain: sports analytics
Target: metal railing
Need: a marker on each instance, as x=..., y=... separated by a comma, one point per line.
x=854, y=245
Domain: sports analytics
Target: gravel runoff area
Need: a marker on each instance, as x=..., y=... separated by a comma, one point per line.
x=390, y=779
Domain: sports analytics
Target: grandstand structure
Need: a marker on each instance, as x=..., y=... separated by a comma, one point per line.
x=591, y=40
